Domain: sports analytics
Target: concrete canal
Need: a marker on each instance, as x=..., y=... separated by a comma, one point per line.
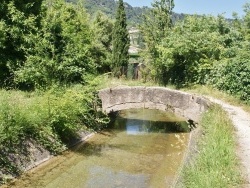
x=141, y=148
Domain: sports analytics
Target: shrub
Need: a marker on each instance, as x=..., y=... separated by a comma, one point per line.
x=233, y=77
x=51, y=118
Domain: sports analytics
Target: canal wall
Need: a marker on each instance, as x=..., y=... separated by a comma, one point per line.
x=184, y=104
x=32, y=154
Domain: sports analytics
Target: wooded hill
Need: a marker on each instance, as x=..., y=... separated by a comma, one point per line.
x=108, y=7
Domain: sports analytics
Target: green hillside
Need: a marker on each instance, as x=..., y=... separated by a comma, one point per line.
x=134, y=14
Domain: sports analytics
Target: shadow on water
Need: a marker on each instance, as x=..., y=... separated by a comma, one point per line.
x=137, y=126
x=148, y=121
x=123, y=121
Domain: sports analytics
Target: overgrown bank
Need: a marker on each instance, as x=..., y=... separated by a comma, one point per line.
x=50, y=119
x=215, y=163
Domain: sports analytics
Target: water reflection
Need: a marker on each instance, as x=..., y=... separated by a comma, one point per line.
x=134, y=126
x=143, y=121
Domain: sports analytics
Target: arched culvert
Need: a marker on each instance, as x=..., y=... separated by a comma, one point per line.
x=183, y=104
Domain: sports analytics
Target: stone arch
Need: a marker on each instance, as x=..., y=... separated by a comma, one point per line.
x=184, y=104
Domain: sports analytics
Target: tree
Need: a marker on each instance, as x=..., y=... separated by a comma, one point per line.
x=121, y=42
x=60, y=53
x=232, y=74
x=156, y=24
x=247, y=21
x=19, y=20
x=191, y=50
x=3, y=68
x=102, y=51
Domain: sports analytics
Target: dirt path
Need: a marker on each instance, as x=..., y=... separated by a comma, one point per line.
x=241, y=121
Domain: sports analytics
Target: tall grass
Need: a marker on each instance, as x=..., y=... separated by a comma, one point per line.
x=216, y=164
x=51, y=118
x=57, y=113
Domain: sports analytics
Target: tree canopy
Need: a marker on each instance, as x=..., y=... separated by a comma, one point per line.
x=61, y=50
x=18, y=20
x=156, y=24
x=43, y=43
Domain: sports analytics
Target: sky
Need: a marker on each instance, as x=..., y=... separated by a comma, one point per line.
x=213, y=7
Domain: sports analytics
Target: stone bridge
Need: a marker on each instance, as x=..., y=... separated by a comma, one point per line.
x=186, y=105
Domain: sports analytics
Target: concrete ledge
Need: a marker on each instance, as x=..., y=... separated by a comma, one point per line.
x=181, y=103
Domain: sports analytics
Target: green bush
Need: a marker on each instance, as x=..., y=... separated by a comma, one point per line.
x=233, y=77
x=187, y=54
x=23, y=117
x=51, y=118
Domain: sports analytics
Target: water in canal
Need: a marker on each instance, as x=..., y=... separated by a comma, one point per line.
x=141, y=148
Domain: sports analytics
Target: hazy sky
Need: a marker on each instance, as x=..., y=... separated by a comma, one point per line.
x=213, y=7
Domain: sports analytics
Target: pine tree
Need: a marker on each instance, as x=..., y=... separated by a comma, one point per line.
x=121, y=42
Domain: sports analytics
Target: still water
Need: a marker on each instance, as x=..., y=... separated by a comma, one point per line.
x=141, y=148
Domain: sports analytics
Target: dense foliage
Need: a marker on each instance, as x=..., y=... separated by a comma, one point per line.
x=18, y=21
x=61, y=50
x=187, y=53
x=51, y=48
x=198, y=50
x=51, y=42
x=233, y=77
